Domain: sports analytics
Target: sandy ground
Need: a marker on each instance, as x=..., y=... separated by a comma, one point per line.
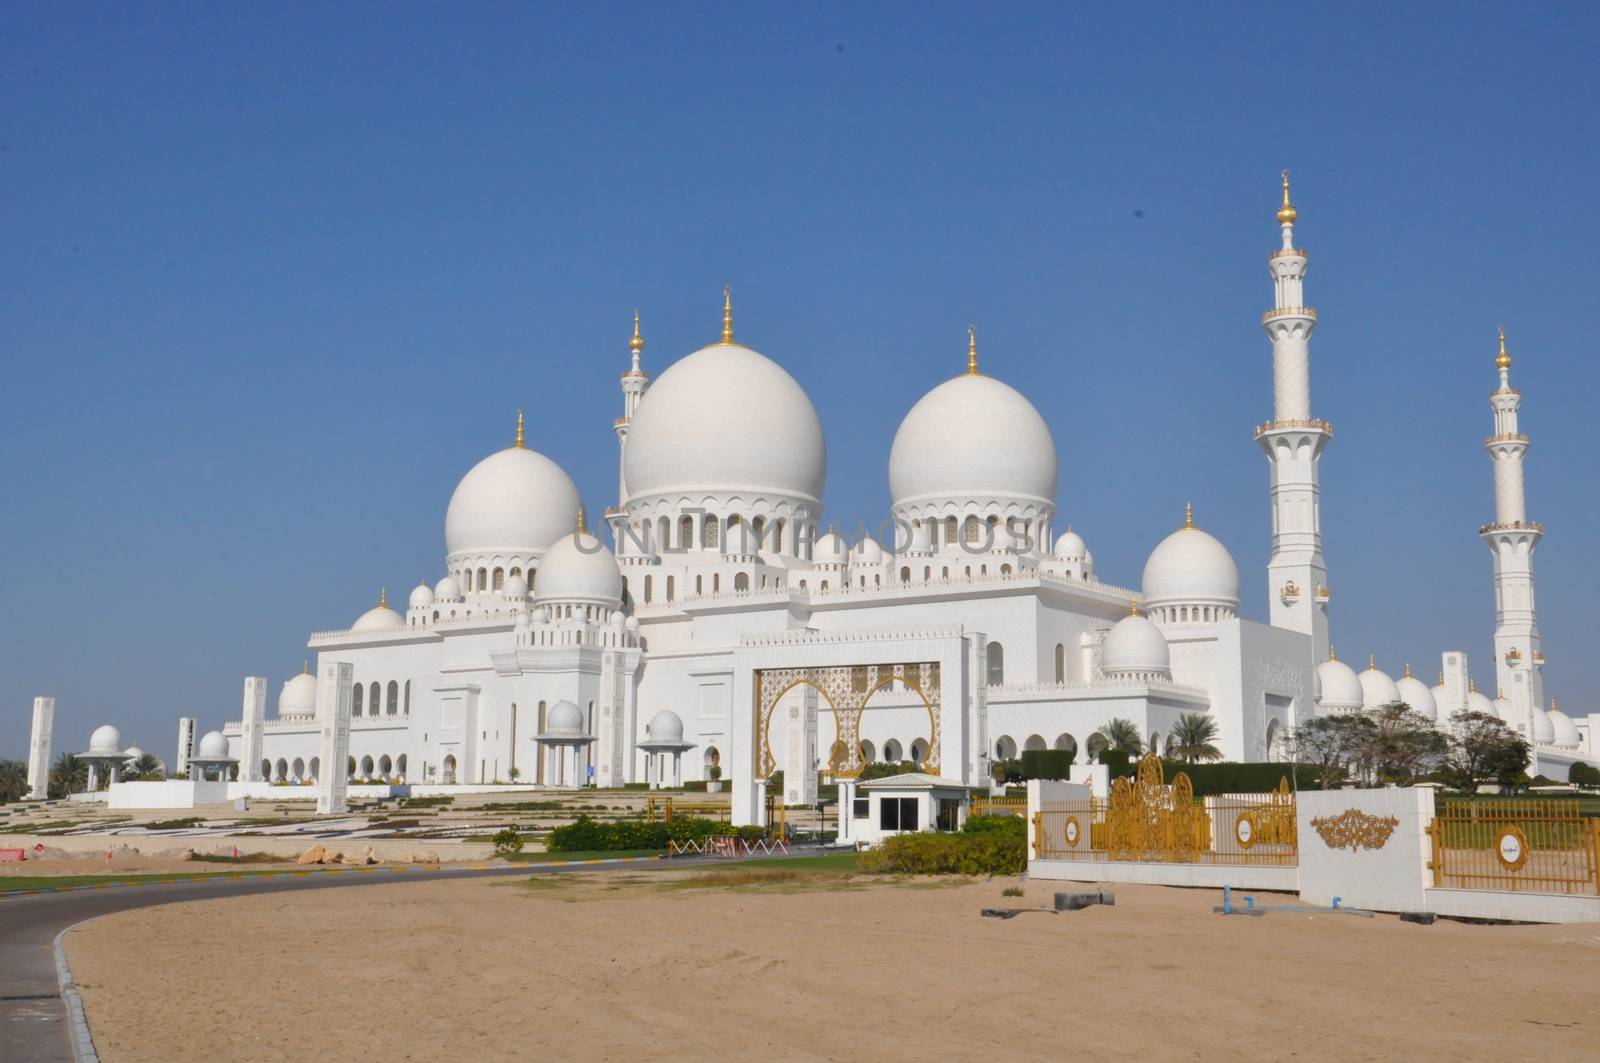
x=119, y=864
x=639, y=968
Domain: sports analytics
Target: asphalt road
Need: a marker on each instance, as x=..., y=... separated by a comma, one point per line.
x=33, y=1017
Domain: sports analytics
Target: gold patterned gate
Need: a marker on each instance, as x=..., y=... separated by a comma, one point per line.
x=847, y=689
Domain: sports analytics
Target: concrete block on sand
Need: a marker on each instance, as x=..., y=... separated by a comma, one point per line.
x=1071, y=902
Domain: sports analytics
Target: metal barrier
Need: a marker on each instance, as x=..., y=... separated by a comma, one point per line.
x=1151, y=821
x=1533, y=846
x=984, y=805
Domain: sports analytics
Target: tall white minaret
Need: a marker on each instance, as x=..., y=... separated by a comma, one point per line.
x=1297, y=577
x=1519, y=665
x=634, y=384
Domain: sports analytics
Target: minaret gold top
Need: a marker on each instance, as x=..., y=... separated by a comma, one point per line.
x=1502, y=360
x=1286, y=213
x=1188, y=516
x=637, y=343
x=972, y=350
x=583, y=521
x=518, y=443
x=727, y=313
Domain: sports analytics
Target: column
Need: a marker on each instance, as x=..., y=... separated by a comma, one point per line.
x=44, y=715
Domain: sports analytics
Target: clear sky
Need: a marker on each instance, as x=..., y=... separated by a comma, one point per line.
x=273, y=277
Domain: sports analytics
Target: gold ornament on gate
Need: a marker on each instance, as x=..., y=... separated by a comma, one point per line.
x=1354, y=829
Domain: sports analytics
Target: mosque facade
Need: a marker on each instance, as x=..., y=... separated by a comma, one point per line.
x=977, y=630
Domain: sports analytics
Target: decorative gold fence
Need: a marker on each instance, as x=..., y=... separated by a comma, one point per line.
x=1531, y=846
x=984, y=805
x=1149, y=820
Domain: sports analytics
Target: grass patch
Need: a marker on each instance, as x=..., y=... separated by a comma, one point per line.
x=242, y=858
x=847, y=861
x=37, y=882
x=561, y=858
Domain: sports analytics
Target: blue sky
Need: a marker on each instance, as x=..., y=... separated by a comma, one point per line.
x=272, y=279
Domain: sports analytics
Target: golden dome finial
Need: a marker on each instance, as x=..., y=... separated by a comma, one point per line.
x=1286, y=214
x=1133, y=608
x=583, y=521
x=1441, y=677
x=1372, y=662
x=636, y=344
x=727, y=313
x=1472, y=686
x=1502, y=360
x=383, y=598
x=1408, y=669
x=518, y=443
x=1188, y=516
x=305, y=667
x=1502, y=694
x=1333, y=655
x=972, y=350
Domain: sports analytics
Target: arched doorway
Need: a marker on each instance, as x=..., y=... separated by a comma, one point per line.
x=1068, y=743
x=1034, y=742
x=1005, y=748
x=447, y=773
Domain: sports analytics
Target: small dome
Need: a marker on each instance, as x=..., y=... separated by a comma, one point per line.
x=298, y=696
x=915, y=540
x=379, y=618
x=1544, y=728
x=580, y=568
x=421, y=596
x=133, y=752
x=1566, y=732
x=447, y=590
x=106, y=740
x=1415, y=692
x=541, y=615
x=868, y=550
x=618, y=618
x=1477, y=702
x=632, y=625
x=725, y=419
x=214, y=746
x=515, y=587
x=1135, y=645
x=973, y=438
x=1377, y=689
x=1071, y=547
x=565, y=719
x=666, y=726
x=514, y=501
x=1341, y=690
x=1438, y=696
x=830, y=550
x=1190, y=566
x=1502, y=708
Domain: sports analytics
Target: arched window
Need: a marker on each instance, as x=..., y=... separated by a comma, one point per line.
x=950, y=531
x=972, y=532
x=663, y=535
x=697, y=584
x=374, y=699
x=824, y=586
x=735, y=539
x=483, y=579
x=672, y=585
x=499, y=579
x=802, y=584
x=758, y=529
x=741, y=581
x=997, y=664
x=905, y=574
x=466, y=580
x=777, y=537
x=1005, y=570
x=927, y=572
x=516, y=572
x=391, y=707
x=356, y=696
x=708, y=532
x=686, y=532
x=649, y=582
x=716, y=583
x=1061, y=664
x=407, y=709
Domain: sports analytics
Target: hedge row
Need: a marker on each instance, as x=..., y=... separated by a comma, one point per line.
x=588, y=835
x=1047, y=763
x=988, y=845
x=1225, y=777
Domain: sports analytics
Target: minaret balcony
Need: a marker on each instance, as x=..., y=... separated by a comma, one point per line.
x=1508, y=437
x=1323, y=593
x=1512, y=525
x=1289, y=311
x=1278, y=426
x=1287, y=252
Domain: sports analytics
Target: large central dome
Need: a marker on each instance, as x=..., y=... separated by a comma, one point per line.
x=516, y=501
x=973, y=438
x=725, y=419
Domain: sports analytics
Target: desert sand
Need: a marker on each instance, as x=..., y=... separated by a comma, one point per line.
x=639, y=966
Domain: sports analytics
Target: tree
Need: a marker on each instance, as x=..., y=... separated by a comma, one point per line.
x=68, y=775
x=1192, y=738
x=1403, y=744
x=147, y=767
x=1122, y=734
x=1483, y=748
x=13, y=781
x=1336, y=744
x=1584, y=776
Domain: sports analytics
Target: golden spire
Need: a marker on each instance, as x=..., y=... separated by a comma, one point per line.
x=972, y=350
x=305, y=667
x=383, y=598
x=1333, y=654
x=1502, y=694
x=1286, y=214
x=583, y=521
x=1472, y=686
x=1408, y=669
x=727, y=313
x=1502, y=360
x=1188, y=516
x=518, y=443
x=1133, y=608
x=1372, y=662
x=1441, y=677
x=637, y=343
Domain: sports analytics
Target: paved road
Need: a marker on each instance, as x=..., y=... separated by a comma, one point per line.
x=33, y=1019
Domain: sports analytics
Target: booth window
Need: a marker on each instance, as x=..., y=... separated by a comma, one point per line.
x=897, y=813
x=949, y=813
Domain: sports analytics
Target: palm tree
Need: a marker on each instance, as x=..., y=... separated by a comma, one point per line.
x=147, y=766
x=1192, y=738
x=1123, y=735
x=13, y=781
x=69, y=775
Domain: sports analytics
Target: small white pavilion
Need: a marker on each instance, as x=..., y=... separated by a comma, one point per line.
x=563, y=732
x=663, y=737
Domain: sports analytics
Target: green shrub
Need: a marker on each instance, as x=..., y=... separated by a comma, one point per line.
x=1119, y=761
x=507, y=841
x=1003, y=824
x=1046, y=763
x=1584, y=775
x=987, y=848
x=1242, y=778
x=588, y=835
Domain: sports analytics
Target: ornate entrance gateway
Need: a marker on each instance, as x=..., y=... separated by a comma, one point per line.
x=846, y=688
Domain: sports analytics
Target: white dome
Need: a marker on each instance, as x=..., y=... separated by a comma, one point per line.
x=514, y=501
x=1415, y=692
x=1438, y=696
x=447, y=590
x=1341, y=690
x=725, y=419
x=379, y=618
x=1190, y=566
x=1477, y=702
x=565, y=719
x=830, y=550
x=666, y=726
x=515, y=587
x=1135, y=645
x=579, y=568
x=1377, y=688
x=421, y=596
x=1566, y=732
x=106, y=740
x=1544, y=729
x=214, y=746
x=133, y=752
x=1502, y=708
x=972, y=438
x=915, y=540
x=868, y=550
x=298, y=696
x=1071, y=547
